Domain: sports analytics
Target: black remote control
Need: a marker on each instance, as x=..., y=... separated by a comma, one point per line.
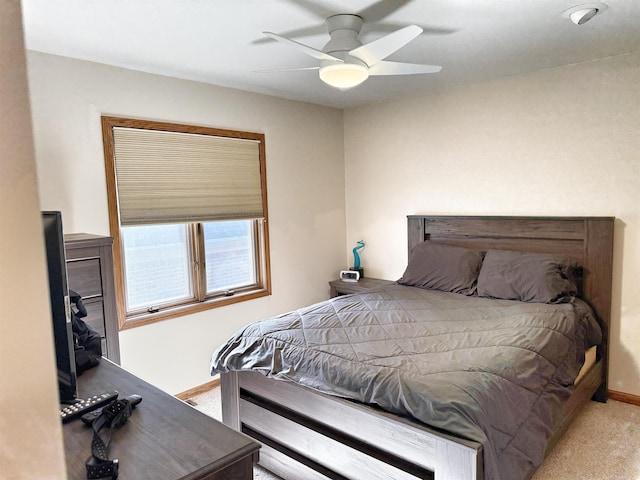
x=87, y=405
x=88, y=418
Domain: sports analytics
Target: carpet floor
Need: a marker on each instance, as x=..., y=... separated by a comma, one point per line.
x=603, y=443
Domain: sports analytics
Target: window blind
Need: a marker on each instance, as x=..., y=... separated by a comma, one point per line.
x=174, y=177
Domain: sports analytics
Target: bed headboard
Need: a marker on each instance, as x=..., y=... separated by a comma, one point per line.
x=588, y=240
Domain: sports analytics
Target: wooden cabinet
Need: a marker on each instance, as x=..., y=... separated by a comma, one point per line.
x=164, y=439
x=340, y=287
x=90, y=273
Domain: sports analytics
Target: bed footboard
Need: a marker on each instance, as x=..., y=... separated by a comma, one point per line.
x=306, y=434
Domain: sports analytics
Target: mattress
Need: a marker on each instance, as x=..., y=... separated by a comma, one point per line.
x=492, y=371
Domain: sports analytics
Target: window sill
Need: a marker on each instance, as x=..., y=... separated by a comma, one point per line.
x=190, y=308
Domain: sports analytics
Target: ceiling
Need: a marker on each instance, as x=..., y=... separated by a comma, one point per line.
x=221, y=41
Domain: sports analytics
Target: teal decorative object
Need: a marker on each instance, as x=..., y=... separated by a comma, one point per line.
x=356, y=256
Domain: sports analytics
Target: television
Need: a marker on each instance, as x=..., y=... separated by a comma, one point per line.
x=60, y=308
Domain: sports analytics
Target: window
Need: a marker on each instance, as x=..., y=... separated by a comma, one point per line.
x=188, y=214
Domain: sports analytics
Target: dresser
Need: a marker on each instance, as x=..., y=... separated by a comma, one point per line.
x=90, y=274
x=164, y=439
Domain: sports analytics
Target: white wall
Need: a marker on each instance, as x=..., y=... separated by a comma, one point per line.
x=28, y=391
x=305, y=176
x=557, y=142
x=564, y=141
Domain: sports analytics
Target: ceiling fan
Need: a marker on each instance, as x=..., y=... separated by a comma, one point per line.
x=345, y=62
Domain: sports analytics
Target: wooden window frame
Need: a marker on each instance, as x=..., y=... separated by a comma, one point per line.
x=201, y=302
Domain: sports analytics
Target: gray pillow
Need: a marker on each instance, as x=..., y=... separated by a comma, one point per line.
x=443, y=267
x=528, y=277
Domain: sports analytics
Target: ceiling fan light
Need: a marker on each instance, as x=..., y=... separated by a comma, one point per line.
x=344, y=75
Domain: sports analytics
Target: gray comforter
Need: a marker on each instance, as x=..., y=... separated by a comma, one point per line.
x=493, y=371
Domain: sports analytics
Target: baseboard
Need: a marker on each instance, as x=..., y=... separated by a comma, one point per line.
x=624, y=397
x=192, y=392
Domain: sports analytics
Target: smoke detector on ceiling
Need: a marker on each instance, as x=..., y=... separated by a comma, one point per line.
x=581, y=14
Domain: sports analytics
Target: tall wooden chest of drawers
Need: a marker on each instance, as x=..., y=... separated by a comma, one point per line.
x=90, y=274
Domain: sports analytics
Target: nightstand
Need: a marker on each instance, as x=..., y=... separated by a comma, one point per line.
x=339, y=287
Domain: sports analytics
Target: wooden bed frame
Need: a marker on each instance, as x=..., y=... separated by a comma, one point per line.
x=309, y=435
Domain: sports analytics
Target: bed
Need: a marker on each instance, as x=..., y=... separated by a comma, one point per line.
x=309, y=430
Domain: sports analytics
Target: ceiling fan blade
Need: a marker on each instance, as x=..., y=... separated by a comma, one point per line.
x=388, y=27
x=381, y=9
x=372, y=14
x=273, y=70
x=298, y=32
x=372, y=52
x=320, y=55
x=313, y=7
x=399, y=68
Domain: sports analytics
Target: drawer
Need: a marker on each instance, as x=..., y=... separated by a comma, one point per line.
x=84, y=277
x=95, y=316
x=80, y=253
